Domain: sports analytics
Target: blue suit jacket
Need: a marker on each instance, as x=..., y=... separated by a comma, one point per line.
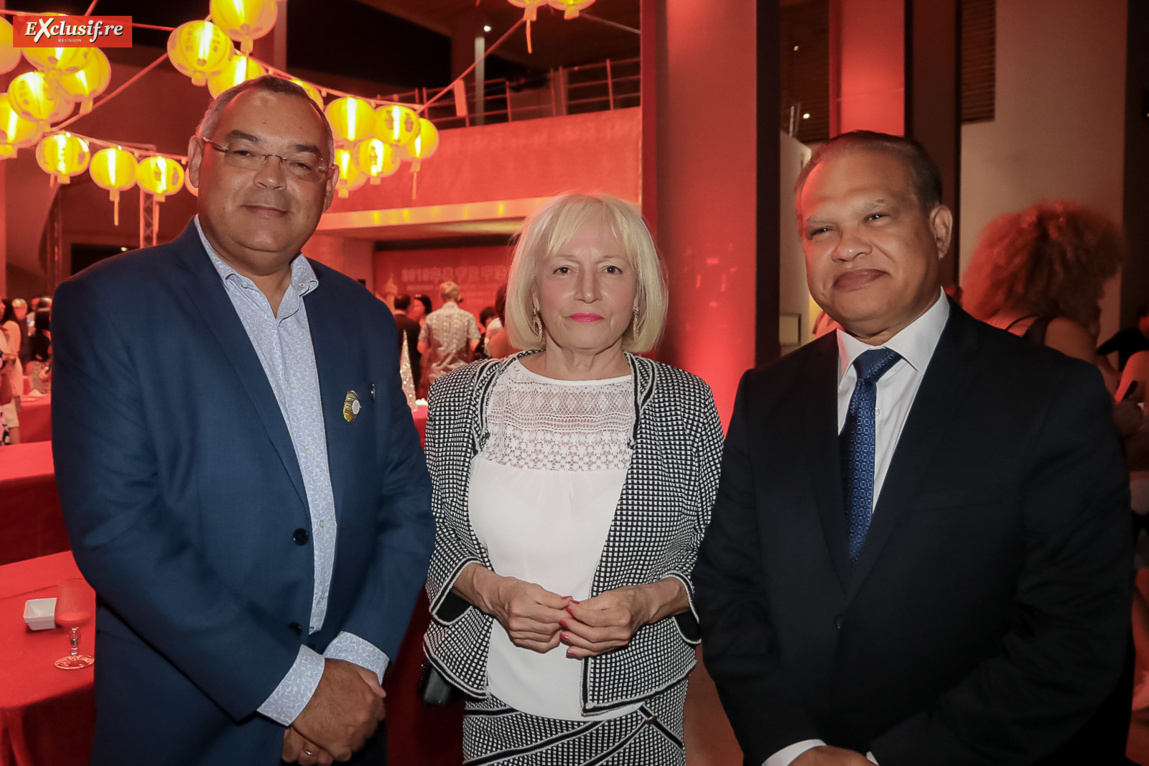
x=182, y=497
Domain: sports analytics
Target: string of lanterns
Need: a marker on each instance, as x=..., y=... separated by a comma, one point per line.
x=373, y=137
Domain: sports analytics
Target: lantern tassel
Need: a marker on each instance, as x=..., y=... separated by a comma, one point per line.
x=155, y=220
x=414, y=183
x=529, y=49
x=115, y=207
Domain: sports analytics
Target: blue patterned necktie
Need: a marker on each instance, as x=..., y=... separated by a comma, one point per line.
x=856, y=444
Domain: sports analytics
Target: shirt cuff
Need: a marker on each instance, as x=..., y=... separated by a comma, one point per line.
x=787, y=755
x=295, y=690
x=870, y=757
x=353, y=649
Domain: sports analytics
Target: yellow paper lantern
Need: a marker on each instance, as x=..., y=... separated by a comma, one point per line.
x=350, y=176
x=530, y=8
x=63, y=108
x=352, y=120
x=376, y=159
x=570, y=8
x=311, y=91
x=159, y=176
x=9, y=55
x=245, y=20
x=90, y=81
x=424, y=145
x=115, y=170
x=60, y=60
x=36, y=98
x=396, y=124
x=240, y=69
x=16, y=131
x=199, y=49
x=63, y=155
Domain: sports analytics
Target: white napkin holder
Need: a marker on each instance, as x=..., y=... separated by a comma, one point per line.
x=40, y=613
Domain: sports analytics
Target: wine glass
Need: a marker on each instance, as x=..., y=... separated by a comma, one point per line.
x=73, y=609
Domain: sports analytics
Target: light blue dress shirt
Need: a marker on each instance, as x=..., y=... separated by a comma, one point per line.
x=283, y=344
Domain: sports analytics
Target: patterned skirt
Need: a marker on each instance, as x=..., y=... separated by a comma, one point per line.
x=494, y=733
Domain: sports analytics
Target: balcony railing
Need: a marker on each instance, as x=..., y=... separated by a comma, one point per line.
x=567, y=90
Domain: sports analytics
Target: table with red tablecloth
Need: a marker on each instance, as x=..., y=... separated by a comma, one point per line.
x=47, y=715
x=36, y=419
x=31, y=522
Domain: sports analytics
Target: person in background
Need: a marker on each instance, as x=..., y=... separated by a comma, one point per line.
x=13, y=379
x=408, y=329
x=920, y=552
x=420, y=308
x=485, y=317
x=1129, y=341
x=1041, y=273
x=5, y=391
x=40, y=343
x=239, y=472
x=566, y=532
x=499, y=341
x=20, y=308
x=448, y=337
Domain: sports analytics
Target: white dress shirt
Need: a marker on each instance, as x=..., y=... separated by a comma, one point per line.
x=896, y=391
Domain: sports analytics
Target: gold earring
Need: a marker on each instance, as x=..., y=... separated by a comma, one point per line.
x=537, y=324
x=636, y=324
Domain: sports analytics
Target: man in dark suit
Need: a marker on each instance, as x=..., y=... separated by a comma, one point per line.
x=920, y=549
x=240, y=476
x=408, y=329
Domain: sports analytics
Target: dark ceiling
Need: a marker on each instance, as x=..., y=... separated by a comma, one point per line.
x=401, y=43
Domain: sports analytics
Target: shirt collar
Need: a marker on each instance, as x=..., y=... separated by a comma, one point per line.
x=303, y=277
x=915, y=343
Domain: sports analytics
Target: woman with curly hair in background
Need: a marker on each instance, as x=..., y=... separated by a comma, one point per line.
x=1040, y=273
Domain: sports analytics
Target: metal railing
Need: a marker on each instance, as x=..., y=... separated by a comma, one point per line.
x=567, y=90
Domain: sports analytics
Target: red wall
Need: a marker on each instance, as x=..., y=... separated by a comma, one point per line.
x=519, y=160
x=478, y=271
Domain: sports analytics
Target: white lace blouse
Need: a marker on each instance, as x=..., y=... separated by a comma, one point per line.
x=543, y=493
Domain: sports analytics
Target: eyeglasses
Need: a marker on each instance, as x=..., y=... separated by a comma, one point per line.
x=244, y=156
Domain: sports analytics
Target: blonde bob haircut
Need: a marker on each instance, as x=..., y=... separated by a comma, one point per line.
x=548, y=230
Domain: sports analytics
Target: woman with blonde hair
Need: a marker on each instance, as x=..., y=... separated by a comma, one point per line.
x=1041, y=273
x=572, y=484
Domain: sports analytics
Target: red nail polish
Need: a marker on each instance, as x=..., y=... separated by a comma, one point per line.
x=573, y=601
x=564, y=624
x=563, y=637
x=570, y=612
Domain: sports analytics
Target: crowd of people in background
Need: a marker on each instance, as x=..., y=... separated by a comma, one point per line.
x=25, y=351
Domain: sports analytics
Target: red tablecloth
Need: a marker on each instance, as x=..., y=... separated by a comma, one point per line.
x=31, y=523
x=36, y=419
x=47, y=716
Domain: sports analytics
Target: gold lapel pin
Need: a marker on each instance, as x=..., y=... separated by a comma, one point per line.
x=351, y=406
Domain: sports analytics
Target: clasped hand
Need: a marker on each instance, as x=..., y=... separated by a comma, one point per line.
x=539, y=620
x=342, y=715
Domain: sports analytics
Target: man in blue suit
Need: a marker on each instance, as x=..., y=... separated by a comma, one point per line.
x=240, y=475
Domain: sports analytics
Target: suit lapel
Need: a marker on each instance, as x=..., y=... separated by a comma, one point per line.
x=324, y=318
x=210, y=297
x=938, y=399
x=818, y=419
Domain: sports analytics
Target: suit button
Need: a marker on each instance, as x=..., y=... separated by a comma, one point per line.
x=838, y=622
x=300, y=536
x=296, y=629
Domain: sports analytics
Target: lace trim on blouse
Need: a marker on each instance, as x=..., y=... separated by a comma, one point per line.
x=560, y=425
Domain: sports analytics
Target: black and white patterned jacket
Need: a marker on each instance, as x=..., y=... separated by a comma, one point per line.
x=658, y=525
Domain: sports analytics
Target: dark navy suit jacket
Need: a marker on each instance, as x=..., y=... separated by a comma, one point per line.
x=987, y=618
x=186, y=509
